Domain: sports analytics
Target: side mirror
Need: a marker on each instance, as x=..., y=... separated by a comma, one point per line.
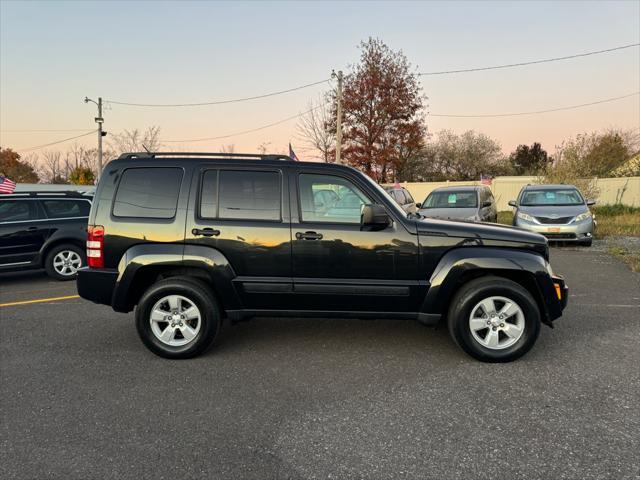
x=374, y=217
x=486, y=204
x=591, y=202
x=512, y=203
x=418, y=205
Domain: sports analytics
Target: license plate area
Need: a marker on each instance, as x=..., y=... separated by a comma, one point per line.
x=553, y=229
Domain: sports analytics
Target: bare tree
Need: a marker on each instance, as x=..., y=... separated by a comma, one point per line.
x=264, y=147
x=53, y=167
x=136, y=140
x=314, y=129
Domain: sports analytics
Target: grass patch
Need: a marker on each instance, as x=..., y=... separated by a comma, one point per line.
x=506, y=217
x=617, y=220
x=630, y=256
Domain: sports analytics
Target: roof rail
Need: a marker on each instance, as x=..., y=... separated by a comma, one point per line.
x=66, y=193
x=245, y=156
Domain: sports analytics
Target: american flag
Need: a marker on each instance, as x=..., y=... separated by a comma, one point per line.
x=292, y=154
x=6, y=185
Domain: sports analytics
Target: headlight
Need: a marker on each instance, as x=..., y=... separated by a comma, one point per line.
x=526, y=217
x=582, y=216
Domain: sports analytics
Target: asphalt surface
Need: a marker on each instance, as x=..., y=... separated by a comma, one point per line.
x=81, y=398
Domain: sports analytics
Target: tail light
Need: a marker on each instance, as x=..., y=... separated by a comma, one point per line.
x=95, y=246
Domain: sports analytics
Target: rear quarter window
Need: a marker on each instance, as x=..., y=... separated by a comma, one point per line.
x=148, y=193
x=66, y=208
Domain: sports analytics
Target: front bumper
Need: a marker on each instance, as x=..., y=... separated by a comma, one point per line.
x=572, y=232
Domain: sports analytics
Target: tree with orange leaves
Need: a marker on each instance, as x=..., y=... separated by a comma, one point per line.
x=383, y=125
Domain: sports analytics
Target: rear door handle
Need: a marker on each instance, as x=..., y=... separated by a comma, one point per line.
x=308, y=236
x=206, y=232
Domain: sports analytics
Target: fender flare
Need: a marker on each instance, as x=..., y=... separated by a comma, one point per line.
x=211, y=262
x=445, y=279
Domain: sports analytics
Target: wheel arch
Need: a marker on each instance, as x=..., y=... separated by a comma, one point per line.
x=143, y=265
x=460, y=266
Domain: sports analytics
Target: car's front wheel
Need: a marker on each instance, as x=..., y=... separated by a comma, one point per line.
x=178, y=318
x=494, y=319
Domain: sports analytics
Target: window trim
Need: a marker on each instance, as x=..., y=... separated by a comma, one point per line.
x=332, y=174
x=221, y=169
x=161, y=219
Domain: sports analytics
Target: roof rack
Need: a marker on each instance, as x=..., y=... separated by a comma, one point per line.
x=66, y=193
x=222, y=156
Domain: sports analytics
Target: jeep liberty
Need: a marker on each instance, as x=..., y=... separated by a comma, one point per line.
x=190, y=239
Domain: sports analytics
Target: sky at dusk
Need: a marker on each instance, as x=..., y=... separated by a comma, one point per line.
x=53, y=53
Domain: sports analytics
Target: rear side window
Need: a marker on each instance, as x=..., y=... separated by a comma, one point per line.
x=66, y=208
x=148, y=193
x=18, y=211
x=247, y=195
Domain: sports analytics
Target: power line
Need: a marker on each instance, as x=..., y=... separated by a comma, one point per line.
x=522, y=64
x=28, y=149
x=45, y=130
x=217, y=102
x=244, y=132
x=571, y=107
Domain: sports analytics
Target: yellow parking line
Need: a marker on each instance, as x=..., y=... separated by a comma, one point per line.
x=39, y=300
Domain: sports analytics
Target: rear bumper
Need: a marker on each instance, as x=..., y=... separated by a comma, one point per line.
x=97, y=284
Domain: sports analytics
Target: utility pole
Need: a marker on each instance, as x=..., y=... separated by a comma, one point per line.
x=339, y=116
x=99, y=120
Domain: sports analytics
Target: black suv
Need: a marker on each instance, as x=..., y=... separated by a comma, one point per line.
x=44, y=229
x=190, y=239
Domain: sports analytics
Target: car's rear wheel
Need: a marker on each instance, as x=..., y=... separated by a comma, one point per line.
x=178, y=318
x=494, y=319
x=63, y=261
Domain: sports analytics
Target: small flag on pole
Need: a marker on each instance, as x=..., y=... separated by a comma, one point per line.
x=292, y=154
x=6, y=185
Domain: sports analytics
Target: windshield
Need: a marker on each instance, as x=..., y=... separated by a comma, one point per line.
x=451, y=199
x=566, y=196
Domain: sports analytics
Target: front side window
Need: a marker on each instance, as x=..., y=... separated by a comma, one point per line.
x=66, y=208
x=17, y=211
x=452, y=199
x=559, y=197
x=249, y=195
x=330, y=199
x=408, y=196
x=148, y=193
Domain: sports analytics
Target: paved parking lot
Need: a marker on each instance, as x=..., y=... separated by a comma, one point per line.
x=287, y=398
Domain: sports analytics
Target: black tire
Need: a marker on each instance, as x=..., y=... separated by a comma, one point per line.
x=587, y=243
x=51, y=257
x=479, y=289
x=195, y=292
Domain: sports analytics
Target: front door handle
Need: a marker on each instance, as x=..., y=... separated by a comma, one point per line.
x=308, y=236
x=206, y=232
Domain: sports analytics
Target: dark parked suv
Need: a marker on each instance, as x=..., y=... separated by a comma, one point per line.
x=44, y=230
x=190, y=239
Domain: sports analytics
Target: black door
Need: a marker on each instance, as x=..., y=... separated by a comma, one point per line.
x=242, y=212
x=336, y=265
x=23, y=231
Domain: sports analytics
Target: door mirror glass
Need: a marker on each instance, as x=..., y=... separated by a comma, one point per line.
x=374, y=217
x=512, y=203
x=591, y=202
x=486, y=203
x=418, y=205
